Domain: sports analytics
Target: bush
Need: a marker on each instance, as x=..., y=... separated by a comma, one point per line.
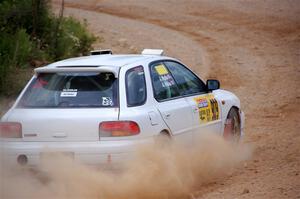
x=15, y=50
x=72, y=39
x=29, y=33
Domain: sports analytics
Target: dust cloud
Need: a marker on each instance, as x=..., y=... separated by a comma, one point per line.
x=168, y=170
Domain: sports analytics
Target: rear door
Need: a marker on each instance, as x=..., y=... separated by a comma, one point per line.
x=204, y=106
x=174, y=109
x=67, y=106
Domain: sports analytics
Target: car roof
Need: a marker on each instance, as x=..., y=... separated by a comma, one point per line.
x=107, y=62
x=100, y=60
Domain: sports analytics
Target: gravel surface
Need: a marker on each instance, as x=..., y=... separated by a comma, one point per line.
x=252, y=47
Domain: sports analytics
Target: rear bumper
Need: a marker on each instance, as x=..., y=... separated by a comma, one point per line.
x=90, y=153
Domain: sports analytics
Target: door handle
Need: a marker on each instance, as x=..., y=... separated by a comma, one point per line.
x=153, y=118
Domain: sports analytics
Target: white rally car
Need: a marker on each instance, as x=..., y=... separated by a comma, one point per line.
x=98, y=108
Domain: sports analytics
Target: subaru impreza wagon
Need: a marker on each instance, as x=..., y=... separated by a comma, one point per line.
x=98, y=108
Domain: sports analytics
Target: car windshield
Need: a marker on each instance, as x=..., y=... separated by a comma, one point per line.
x=53, y=90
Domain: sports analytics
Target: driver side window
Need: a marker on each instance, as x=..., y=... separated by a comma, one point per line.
x=163, y=83
x=188, y=83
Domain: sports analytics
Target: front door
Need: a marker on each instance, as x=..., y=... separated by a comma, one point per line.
x=174, y=109
x=204, y=106
x=206, y=113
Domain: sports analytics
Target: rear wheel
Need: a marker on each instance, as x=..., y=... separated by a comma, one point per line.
x=163, y=138
x=232, y=129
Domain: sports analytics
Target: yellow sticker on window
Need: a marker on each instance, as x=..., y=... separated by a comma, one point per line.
x=161, y=69
x=208, y=108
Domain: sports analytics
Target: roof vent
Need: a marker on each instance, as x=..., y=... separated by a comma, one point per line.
x=152, y=52
x=101, y=52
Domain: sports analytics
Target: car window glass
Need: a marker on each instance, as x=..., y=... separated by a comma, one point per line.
x=82, y=89
x=163, y=83
x=187, y=81
x=135, y=86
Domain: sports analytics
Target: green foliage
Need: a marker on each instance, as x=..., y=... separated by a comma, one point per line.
x=14, y=52
x=22, y=48
x=29, y=32
x=72, y=39
x=31, y=15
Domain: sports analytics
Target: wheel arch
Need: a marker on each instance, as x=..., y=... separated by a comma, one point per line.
x=166, y=132
x=236, y=108
x=228, y=100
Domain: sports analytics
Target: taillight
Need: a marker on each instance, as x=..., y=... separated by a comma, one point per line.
x=118, y=128
x=10, y=130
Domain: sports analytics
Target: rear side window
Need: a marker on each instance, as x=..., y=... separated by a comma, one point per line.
x=53, y=90
x=164, y=85
x=135, y=86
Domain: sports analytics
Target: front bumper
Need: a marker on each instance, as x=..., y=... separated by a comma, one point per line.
x=96, y=153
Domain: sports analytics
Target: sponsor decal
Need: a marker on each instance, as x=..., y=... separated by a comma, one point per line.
x=166, y=80
x=161, y=69
x=164, y=76
x=107, y=101
x=68, y=93
x=202, y=103
x=208, y=108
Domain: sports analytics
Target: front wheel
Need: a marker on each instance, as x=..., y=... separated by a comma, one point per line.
x=232, y=129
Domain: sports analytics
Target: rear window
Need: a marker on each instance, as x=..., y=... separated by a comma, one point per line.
x=53, y=90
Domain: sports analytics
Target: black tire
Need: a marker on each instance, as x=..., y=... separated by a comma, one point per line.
x=235, y=131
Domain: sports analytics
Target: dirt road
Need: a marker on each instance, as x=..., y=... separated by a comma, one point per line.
x=252, y=47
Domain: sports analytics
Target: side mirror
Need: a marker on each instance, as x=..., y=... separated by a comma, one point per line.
x=212, y=84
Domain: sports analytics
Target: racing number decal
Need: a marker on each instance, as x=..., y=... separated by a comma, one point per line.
x=208, y=108
x=164, y=77
x=161, y=69
x=214, y=109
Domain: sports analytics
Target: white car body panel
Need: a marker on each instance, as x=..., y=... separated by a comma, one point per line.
x=230, y=100
x=76, y=130
x=114, y=70
x=100, y=60
x=92, y=153
x=213, y=126
x=62, y=124
x=172, y=113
